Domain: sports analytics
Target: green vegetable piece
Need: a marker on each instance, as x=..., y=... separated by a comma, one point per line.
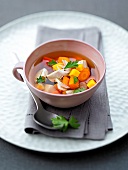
x=60, y=123
x=51, y=63
x=73, y=122
x=75, y=79
x=41, y=79
x=79, y=90
x=71, y=64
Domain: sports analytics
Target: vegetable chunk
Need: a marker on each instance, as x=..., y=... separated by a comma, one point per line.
x=64, y=73
x=65, y=80
x=91, y=83
x=74, y=72
x=84, y=74
x=72, y=84
x=39, y=86
x=63, y=58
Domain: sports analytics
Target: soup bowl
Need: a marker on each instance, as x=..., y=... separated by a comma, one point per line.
x=69, y=45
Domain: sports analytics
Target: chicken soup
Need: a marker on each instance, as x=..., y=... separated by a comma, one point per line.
x=63, y=73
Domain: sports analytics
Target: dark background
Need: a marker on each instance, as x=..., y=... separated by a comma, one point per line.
x=111, y=157
x=114, y=10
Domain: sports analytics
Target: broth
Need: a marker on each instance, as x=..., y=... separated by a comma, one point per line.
x=40, y=63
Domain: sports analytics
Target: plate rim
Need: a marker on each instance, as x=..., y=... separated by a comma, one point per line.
x=27, y=17
x=20, y=19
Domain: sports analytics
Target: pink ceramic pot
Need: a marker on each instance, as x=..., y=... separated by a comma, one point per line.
x=60, y=100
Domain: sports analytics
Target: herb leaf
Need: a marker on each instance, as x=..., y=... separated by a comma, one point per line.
x=41, y=79
x=51, y=63
x=75, y=79
x=61, y=123
x=73, y=122
x=79, y=90
x=72, y=64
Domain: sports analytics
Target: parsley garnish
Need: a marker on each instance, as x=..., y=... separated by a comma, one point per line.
x=79, y=90
x=62, y=123
x=73, y=122
x=72, y=64
x=75, y=79
x=41, y=79
x=51, y=63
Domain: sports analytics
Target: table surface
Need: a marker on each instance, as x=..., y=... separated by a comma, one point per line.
x=113, y=156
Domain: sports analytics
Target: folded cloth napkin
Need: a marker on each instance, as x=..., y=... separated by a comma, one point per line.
x=94, y=114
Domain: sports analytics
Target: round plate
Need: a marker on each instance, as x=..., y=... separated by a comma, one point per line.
x=19, y=37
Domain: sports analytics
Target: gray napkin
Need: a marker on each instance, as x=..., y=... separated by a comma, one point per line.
x=94, y=114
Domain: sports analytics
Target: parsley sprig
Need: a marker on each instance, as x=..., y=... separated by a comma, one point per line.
x=61, y=123
x=41, y=79
x=71, y=64
x=52, y=62
x=75, y=79
x=73, y=122
x=79, y=90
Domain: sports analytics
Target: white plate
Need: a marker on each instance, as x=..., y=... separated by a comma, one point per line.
x=19, y=36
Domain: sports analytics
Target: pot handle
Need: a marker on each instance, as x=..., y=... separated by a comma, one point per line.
x=15, y=72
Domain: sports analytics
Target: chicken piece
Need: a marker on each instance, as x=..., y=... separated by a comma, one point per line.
x=83, y=85
x=57, y=74
x=43, y=72
x=83, y=62
x=64, y=64
x=61, y=86
x=69, y=91
x=49, y=88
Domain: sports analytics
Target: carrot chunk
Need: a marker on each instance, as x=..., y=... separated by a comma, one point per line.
x=65, y=80
x=73, y=85
x=84, y=74
x=77, y=58
x=63, y=58
x=39, y=86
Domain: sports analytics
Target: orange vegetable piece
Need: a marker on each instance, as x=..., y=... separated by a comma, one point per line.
x=63, y=92
x=47, y=58
x=63, y=58
x=78, y=58
x=65, y=80
x=73, y=85
x=84, y=74
x=39, y=86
